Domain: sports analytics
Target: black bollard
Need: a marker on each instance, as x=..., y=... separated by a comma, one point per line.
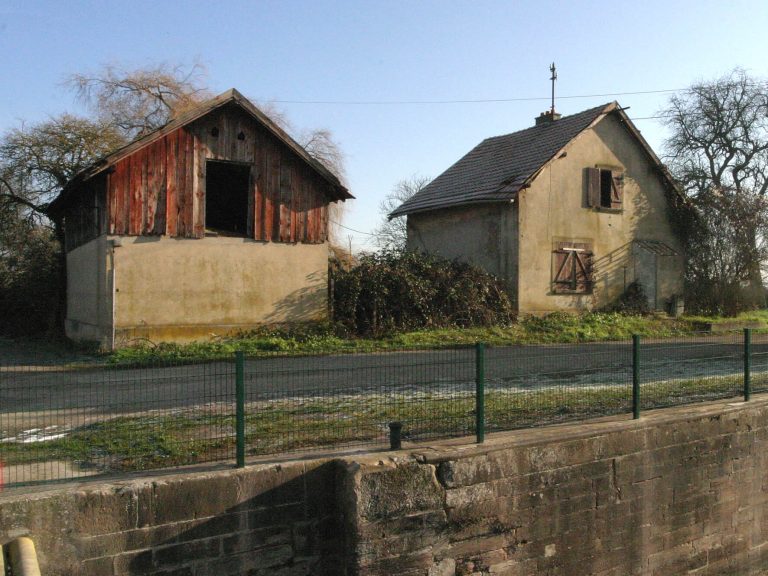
x=395, y=432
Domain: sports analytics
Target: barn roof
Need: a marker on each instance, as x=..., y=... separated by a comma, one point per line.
x=231, y=96
x=497, y=168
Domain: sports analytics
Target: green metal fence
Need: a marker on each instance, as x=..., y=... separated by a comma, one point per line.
x=65, y=422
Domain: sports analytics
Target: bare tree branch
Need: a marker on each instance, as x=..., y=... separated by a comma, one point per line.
x=392, y=234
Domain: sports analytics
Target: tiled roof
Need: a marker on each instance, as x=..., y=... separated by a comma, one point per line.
x=498, y=167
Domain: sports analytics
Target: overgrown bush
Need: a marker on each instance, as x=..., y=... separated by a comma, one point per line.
x=393, y=291
x=633, y=300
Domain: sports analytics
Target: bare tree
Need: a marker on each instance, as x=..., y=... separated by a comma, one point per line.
x=139, y=101
x=392, y=233
x=718, y=151
x=37, y=160
x=720, y=135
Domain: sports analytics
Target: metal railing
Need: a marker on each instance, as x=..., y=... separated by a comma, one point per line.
x=65, y=422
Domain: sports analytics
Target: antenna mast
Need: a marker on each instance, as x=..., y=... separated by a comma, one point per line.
x=553, y=78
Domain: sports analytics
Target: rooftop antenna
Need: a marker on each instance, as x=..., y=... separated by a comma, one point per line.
x=553, y=78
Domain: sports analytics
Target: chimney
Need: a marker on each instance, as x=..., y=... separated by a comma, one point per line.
x=547, y=117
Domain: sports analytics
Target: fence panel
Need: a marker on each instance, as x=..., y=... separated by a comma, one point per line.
x=692, y=369
x=304, y=403
x=539, y=385
x=65, y=422
x=59, y=423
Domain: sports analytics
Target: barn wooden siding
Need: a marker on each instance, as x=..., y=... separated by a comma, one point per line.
x=160, y=188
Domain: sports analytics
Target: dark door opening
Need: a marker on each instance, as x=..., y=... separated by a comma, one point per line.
x=227, y=185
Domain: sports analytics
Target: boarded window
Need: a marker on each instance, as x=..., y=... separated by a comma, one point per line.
x=605, y=188
x=227, y=186
x=572, y=268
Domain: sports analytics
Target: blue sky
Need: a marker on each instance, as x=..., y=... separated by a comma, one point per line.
x=369, y=55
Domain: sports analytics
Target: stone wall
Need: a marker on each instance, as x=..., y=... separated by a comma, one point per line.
x=681, y=491
x=263, y=520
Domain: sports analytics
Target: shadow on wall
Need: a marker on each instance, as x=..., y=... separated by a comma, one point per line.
x=305, y=304
x=613, y=272
x=273, y=521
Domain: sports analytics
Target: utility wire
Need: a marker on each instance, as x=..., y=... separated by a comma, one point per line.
x=472, y=101
x=352, y=229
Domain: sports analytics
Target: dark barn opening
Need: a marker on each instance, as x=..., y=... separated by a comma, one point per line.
x=226, y=197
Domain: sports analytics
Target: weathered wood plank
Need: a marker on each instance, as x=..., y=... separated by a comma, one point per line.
x=198, y=187
x=119, y=178
x=181, y=183
x=274, y=191
x=144, y=189
x=171, y=186
x=258, y=208
x=160, y=191
x=285, y=200
x=112, y=184
x=151, y=195
x=189, y=176
x=134, y=197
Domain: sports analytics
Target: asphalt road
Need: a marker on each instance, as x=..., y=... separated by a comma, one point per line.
x=106, y=390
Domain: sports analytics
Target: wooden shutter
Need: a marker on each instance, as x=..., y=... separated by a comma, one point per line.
x=617, y=189
x=572, y=268
x=563, y=271
x=583, y=271
x=593, y=187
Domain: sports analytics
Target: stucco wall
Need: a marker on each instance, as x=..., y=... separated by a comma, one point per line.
x=555, y=208
x=89, y=292
x=485, y=235
x=177, y=289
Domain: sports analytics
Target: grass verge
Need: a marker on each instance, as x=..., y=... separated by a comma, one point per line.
x=323, y=339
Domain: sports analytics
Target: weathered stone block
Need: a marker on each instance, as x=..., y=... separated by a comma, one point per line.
x=177, y=554
x=403, y=489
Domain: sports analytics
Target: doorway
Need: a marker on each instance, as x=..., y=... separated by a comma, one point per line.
x=227, y=185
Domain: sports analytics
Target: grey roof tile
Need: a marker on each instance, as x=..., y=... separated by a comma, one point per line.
x=496, y=168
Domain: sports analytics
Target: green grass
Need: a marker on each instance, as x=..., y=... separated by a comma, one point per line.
x=551, y=329
x=750, y=316
x=201, y=435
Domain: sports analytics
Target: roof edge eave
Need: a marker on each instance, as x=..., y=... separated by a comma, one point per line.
x=397, y=213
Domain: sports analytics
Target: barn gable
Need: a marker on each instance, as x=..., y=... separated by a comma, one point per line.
x=158, y=184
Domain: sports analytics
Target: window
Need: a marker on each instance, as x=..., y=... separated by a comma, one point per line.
x=572, y=268
x=226, y=198
x=605, y=188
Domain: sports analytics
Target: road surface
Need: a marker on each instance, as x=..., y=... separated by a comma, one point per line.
x=107, y=389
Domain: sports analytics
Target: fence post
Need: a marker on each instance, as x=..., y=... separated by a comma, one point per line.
x=480, y=392
x=240, y=407
x=635, y=376
x=747, y=364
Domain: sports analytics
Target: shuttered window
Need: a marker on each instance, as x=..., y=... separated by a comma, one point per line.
x=572, y=268
x=605, y=188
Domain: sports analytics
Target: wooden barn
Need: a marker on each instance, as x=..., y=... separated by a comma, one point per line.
x=215, y=223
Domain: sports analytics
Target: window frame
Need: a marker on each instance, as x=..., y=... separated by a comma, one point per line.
x=605, y=188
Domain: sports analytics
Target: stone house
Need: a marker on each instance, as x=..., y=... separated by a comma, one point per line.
x=215, y=223
x=569, y=212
